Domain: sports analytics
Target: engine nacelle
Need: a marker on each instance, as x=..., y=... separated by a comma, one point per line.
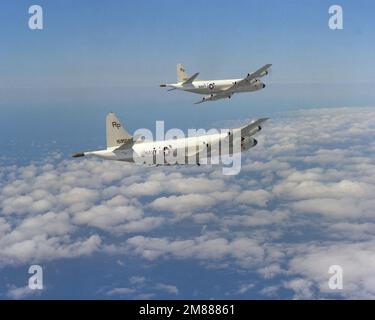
x=264, y=73
x=254, y=130
x=247, y=143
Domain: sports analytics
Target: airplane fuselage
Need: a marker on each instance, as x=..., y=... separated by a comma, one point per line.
x=217, y=86
x=200, y=147
x=217, y=89
x=189, y=146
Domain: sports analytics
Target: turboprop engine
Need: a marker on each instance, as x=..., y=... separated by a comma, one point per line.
x=247, y=143
x=254, y=130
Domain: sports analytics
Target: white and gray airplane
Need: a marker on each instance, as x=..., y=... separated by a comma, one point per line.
x=122, y=146
x=218, y=89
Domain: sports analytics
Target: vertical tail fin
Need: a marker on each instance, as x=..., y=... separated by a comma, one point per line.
x=116, y=133
x=181, y=73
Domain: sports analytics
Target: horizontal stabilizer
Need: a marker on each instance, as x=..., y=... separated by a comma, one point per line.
x=191, y=79
x=126, y=145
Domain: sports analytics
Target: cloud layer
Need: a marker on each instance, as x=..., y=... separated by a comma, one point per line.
x=302, y=202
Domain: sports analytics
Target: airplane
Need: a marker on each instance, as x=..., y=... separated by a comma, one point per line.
x=121, y=146
x=217, y=89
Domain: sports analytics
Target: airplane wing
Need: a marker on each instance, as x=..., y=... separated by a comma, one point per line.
x=191, y=79
x=200, y=101
x=194, y=150
x=252, y=128
x=215, y=96
x=250, y=77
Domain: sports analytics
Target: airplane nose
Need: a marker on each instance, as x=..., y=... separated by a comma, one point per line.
x=264, y=86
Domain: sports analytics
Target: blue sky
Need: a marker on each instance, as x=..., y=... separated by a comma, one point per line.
x=92, y=58
x=137, y=44
x=56, y=86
